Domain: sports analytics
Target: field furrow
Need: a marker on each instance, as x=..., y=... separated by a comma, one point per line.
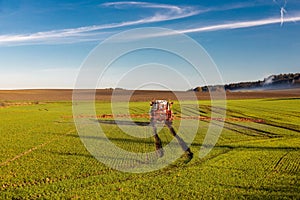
x=256, y=156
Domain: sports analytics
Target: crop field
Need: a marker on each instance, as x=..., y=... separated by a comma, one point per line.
x=256, y=156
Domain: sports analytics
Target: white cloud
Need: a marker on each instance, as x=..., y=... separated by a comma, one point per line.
x=164, y=13
x=90, y=32
x=216, y=27
x=241, y=24
x=124, y=4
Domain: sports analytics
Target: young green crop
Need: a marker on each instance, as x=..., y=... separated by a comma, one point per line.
x=256, y=156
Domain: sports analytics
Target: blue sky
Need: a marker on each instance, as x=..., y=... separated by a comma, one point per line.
x=44, y=43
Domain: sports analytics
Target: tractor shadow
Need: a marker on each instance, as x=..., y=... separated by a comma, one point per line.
x=123, y=122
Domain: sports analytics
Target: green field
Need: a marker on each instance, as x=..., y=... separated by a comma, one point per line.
x=42, y=156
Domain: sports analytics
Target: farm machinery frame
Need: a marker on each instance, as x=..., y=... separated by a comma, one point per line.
x=161, y=112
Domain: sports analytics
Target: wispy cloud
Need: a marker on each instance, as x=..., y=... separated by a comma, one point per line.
x=217, y=27
x=166, y=12
x=48, y=37
x=240, y=24
x=163, y=12
x=126, y=4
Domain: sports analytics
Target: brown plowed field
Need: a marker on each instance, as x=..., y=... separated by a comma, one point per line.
x=140, y=95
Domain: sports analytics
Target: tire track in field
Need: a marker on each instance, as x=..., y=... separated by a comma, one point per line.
x=173, y=168
x=288, y=163
x=25, y=153
x=238, y=129
x=258, y=131
x=31, y=150
x=280, y=160
x=291, y=127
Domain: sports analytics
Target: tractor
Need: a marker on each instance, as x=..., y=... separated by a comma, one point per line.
x=161, y=112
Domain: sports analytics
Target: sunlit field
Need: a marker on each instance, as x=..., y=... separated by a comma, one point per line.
x=256, y=156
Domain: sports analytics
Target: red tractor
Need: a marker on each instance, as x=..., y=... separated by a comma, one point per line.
x=161, y=112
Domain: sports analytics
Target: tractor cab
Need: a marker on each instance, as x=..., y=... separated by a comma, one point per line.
x=161, y=110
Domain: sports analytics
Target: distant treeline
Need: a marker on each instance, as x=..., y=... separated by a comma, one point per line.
x=281, y=81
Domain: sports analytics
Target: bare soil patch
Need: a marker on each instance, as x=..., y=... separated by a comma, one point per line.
x=140, y=95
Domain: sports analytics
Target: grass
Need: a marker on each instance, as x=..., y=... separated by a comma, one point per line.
x=42, y=156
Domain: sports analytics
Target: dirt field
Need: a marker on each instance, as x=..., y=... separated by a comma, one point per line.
x=105, y=94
